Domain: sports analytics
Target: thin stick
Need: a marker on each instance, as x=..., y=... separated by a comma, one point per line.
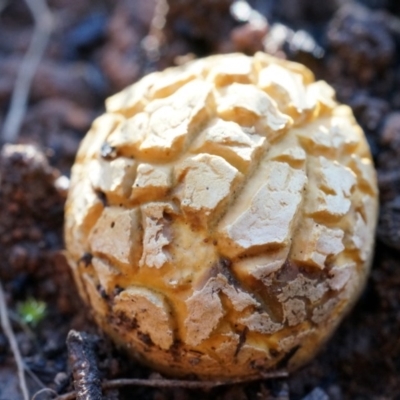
x=16, y=319
x=50, y=392
x=34, y=377
x=169, y=383
x=6, y=325
x=43, y=27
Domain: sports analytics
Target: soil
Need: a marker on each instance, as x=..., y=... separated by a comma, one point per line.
x=100, y=46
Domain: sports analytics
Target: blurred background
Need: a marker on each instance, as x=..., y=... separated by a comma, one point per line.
x=78, y=53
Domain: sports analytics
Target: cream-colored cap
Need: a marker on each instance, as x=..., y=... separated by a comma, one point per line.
x=221, y=216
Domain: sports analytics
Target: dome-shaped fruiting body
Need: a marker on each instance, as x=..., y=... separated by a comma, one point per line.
x=221, y=216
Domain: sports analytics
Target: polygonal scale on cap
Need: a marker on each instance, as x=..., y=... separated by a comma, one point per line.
x=221, y=216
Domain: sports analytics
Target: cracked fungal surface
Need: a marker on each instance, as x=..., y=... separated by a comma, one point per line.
x=221, y=216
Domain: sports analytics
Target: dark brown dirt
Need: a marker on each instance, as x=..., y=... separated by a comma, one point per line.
x=100, y=46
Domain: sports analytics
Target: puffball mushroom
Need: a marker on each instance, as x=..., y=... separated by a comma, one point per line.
x=221, y=216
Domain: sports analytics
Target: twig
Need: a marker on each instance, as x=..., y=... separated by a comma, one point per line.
x=43, y=27
x=14, y=317
x=48, y=391
x=169, y=383
x=83, y=362
x=6, y=325
x=34, y=377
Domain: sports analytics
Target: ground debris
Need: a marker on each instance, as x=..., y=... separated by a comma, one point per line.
x=360, y=38
x=83, y=363
x=389, y=224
